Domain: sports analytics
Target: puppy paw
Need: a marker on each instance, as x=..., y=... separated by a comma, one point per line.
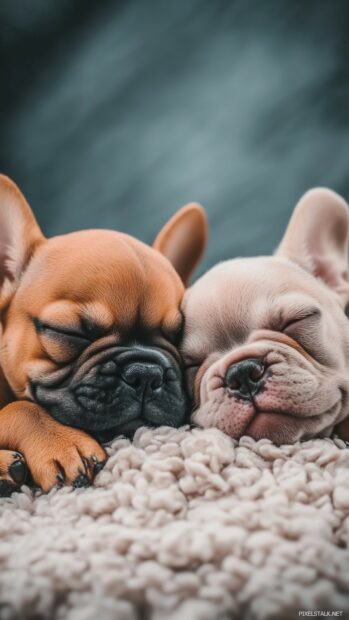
x=13, y=472
x=66, y=457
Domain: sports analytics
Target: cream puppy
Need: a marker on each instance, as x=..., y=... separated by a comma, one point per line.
x=266, y=340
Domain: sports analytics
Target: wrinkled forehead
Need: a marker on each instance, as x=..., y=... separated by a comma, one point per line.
x=126, y=277
x=240, y=295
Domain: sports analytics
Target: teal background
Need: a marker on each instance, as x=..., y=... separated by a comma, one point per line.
x=114, y=114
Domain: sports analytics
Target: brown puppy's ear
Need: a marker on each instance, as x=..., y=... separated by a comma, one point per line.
x=183, y=239
x=317, y=239
x=19, y=235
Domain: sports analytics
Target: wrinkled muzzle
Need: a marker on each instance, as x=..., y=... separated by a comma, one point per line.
x=272, y=391
x=122, y=389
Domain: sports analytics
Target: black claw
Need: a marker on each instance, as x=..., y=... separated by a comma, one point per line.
x=6, y=488
x=86, y=463
x=18, y=471
x=81, y=481
x=98, y=465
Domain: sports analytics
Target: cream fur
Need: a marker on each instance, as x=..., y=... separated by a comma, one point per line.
x=184, y=525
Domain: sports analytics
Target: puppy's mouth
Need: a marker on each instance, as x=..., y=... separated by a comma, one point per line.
x=116, y=393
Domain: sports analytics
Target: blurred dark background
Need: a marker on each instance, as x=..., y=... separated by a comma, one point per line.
x=114, y=114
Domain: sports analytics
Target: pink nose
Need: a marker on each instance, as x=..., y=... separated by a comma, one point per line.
x=244, y=379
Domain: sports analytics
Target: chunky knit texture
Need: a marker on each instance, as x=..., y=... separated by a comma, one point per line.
x=184, y=525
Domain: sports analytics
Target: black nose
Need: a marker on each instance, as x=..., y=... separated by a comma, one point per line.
x=245, y=377
x=144, y=378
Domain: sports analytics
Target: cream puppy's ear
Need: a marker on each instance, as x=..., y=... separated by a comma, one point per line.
x=19, y=236
x=317, y=239
x=183, y=239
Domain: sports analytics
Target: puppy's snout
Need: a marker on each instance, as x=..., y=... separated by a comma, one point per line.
x=144, y=378
x=245, y=378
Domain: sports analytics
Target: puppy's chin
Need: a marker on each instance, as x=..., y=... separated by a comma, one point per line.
x=125, y=430
x=278, y=427
x=281, y=428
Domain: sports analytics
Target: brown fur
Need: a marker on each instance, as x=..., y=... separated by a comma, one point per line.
x=108, y=278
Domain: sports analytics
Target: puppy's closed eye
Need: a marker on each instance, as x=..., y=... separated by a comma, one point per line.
x=61, y=344
x=301, y=321
x=305, y=329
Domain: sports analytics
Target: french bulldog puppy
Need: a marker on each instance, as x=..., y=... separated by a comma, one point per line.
x=266, y=340
x=90, y=323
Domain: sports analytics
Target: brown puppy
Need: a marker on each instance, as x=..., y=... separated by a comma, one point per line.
x=267, y=338
x=90, y=326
